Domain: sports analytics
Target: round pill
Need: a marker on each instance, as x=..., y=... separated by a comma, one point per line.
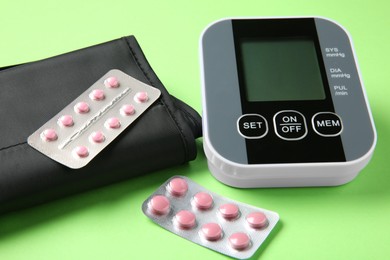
x=178, y=187
x=257, y=219
x=113, y=123
x=239, y=241
x=49, y=135
x=111, y=82
x=81, y=151
x=185, y=219
x=141, y=97
x=159, y=205
x=127, y=110
x=211, y=231
x=97, y=94
x=203, y=200
x=65, y=120
x=81, y=108
x=97, y=137
x=229, y=211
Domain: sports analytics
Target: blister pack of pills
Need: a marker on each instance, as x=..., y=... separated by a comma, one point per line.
x=93, y=120
x=230, y=227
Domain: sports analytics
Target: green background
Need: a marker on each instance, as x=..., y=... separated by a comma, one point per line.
x=346, y=222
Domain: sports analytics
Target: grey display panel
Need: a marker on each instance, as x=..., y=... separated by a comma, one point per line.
x=281, y=69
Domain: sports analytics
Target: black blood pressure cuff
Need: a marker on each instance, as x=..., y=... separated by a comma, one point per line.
x=32, y=93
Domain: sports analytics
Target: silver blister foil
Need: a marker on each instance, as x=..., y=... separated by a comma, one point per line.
x=229, y=226
x=89, y=132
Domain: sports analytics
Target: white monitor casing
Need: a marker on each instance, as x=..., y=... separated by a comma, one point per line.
x=226, y=148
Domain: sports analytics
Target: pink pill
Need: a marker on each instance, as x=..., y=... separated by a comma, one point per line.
x=66, y=121
x=49, y=135
x=185, y=219
x=178, y=187
x=97, y=137
x=81, y=108
x=113, y=123
x=159, y=205
x=257, y=219
x=239, y=241
x=81, y=151
x=111, y=82
x=97, y=94
x=141, y=97
x=229, y=211
x=211, y=231
x=203, y=200
x=127, y=110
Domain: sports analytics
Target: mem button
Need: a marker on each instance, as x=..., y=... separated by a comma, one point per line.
x=252, y=126
x=327, y=124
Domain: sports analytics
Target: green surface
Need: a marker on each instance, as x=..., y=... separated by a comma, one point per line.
x=346, y=222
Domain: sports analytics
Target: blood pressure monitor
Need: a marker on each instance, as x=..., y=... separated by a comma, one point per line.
x=283, y=103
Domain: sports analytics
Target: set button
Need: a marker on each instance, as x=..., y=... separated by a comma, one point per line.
x=252, y=126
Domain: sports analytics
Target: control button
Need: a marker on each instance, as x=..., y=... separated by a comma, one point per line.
x=290, y=125
x=252, y=126
x=327, y=124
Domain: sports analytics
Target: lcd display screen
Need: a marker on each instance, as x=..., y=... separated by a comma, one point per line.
x=282, y=69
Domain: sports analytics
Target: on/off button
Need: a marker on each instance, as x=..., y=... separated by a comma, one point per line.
x=290, y=125
x=252, y=126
